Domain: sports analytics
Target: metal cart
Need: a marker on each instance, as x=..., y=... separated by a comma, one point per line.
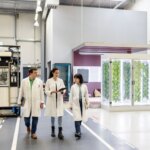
x=9, y=80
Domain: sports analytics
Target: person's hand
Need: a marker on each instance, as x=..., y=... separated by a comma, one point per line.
x=54, y=92
x=62, y=92
x=42, y=105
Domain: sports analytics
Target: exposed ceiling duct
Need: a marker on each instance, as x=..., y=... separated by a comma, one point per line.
x=18, y=5
x=98, y=3
x=15, y=6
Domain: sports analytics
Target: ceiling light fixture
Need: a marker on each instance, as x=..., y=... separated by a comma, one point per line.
x=36, y=24
x=38, y=2
x=36, y=17
x=90, y=53
x=38, y=9
x=117, y=0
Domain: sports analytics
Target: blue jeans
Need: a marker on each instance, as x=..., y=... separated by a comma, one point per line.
x=59, y=121
x=78, y=126
x=34, y=123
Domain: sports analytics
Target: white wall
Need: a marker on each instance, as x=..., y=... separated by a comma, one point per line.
x=7, y=33
x=143, y=5
x=67, y=33
x=26, y=34
x=74, y=25
x=49, y=37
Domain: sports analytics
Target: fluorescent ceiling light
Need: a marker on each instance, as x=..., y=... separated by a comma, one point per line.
x=36, y=17
x=38, y=2
x=36, y=24
x=38, y=9
x=90, y=53
x=118, y=0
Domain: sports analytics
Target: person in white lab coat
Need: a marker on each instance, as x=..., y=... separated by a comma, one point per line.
x=54, y=104
x=32, y=91
x=79, y=103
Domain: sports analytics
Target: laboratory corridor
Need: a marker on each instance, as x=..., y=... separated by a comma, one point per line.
x=94, y=135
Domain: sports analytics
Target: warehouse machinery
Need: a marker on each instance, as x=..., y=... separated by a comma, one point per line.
x=9, y=80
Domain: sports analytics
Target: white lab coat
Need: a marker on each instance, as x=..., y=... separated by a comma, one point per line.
x=33, y=98
x=74, y=102
x=53, y=108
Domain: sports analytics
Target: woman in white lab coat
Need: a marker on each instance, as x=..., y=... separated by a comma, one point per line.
x=32, y=91
x=54, y=104
x=79, y=103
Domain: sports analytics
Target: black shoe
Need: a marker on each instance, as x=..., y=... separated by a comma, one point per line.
x=60, y=135
x=53, y=132
x=77, y=135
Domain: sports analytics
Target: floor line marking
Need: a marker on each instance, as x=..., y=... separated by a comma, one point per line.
x=94, y=134
x=16, y=133
x=125, y=141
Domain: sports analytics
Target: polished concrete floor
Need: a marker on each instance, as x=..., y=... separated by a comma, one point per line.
x=132, y=127
x=45, y=142
x=104, y=130
x=6, y=133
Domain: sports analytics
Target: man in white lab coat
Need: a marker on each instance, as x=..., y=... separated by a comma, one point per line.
x=32, y=91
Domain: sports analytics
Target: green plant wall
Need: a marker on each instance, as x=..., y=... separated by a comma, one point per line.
x=116, y=81
x=105, y=83
x=127, y=79
x=145, y=80
x=137, y=81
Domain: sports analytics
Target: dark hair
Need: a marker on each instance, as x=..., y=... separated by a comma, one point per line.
x=52, y=71
x=79, y=76
x=31, y=70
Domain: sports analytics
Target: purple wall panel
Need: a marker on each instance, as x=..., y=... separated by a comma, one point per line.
x=93, y=85
x=86, y=60
x=94, y=60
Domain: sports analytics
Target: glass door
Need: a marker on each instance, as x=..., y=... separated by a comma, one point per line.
x=115, y=82
x=105, y=86
x=126, y=82
x=121, y=82
x=141, y=75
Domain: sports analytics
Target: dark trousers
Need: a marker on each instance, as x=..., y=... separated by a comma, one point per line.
x=81, y=107
x=78, y=123
x=78, y=126
x=34, y=123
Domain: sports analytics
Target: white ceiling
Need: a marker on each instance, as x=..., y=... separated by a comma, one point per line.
x=15, y=5
x=98, y=3
x=30, y=5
